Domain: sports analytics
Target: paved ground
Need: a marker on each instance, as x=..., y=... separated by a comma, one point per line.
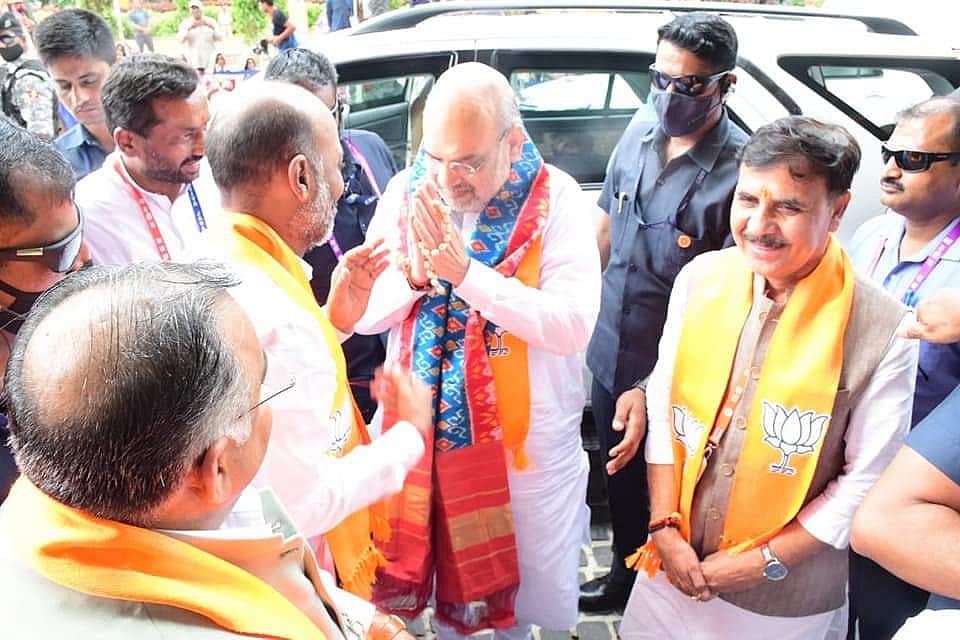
x=594, y=561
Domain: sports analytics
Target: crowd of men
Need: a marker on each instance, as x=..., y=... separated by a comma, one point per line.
x=260, y=383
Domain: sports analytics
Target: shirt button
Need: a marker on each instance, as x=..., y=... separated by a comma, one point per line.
x=728, y=412
x=713, y=513
x=632, y=267
x=660, y=182
x=740, y=422
x=755, y=373
x=726, y=469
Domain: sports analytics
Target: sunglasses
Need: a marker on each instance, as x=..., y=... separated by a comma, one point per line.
x=687, y=85
x=915, y=161
x=59, y=256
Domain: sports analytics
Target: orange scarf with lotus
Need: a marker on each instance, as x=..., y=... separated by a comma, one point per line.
x=791, y=410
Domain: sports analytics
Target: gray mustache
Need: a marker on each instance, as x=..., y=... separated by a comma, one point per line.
x=770, y=242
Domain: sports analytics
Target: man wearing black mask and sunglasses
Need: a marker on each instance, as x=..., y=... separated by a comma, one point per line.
x=367, y=168
x=914, y=252
x=667, y=194
x=40, y=240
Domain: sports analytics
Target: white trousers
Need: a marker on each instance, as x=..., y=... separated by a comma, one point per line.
x=657, y=610
x=519, y=631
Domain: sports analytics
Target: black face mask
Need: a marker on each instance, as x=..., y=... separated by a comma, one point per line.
x=11, y=53
x=13, y=315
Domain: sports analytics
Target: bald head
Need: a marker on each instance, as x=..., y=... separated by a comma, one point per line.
x=120, y=378
x=473, y=90
x=260, y=127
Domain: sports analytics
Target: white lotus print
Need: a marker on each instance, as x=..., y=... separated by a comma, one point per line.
x=688, y=429
x=791, y=433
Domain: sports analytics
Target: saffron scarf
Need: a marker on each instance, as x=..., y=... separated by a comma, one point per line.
x=252, y=242
x=453, y=517
x=791, y=412
x=112, y=560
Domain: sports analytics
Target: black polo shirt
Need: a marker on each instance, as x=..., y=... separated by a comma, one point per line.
x=661, y=217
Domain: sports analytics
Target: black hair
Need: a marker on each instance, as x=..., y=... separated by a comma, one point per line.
x=309, y=69
x=29, y=165
x=151, y=383
x=74, y=33
x=133, y=85
x=705, y=35
x=806, y=146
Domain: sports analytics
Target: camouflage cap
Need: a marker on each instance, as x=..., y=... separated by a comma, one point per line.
x=9, y=22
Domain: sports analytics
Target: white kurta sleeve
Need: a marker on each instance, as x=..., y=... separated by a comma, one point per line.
x=878, y=424
x=659, y=447
x=318, y=488
x=391, y=298
x=559, y=316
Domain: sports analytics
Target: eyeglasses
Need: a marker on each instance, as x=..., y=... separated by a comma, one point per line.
x=915, y=161
x=462, y=169
x=336, y=109
x=687, y=85
x=59, y=256
x=270, y=396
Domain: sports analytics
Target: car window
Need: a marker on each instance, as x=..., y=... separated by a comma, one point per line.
x=370, y=94
x=577, y=116
x=874, y=93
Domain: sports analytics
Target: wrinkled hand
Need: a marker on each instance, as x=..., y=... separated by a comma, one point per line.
x=429, y=224
x=937, y=318
x=404, y=398
x=630, y=416
x=729, y=574
x=351, y=283
x=681, y=564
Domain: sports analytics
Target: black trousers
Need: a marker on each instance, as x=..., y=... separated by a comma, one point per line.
x=626, y=489
x=880, y=602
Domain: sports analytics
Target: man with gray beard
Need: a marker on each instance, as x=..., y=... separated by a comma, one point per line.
x=275, y=155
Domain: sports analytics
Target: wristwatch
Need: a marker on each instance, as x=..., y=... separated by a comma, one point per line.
x=773, y=570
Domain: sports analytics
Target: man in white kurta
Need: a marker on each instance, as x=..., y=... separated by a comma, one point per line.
x=154, y=196
x=319, y=475
x=555, y=320
x=787, y=311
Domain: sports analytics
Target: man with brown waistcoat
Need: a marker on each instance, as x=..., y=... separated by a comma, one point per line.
x=781, y=392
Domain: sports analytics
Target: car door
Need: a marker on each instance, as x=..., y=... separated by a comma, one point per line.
x=386, y=96
x=869, y=90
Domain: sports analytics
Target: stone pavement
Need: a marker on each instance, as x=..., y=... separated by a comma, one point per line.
x=594, y=562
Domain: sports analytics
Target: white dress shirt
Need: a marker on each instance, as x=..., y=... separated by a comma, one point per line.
x=318, y=488
x=877, y=425
x=115, y=229
x=556, y=321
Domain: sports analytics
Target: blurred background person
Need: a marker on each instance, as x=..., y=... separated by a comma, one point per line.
x=77, y=47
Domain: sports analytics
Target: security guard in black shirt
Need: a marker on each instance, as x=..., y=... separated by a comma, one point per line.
x=667, y=194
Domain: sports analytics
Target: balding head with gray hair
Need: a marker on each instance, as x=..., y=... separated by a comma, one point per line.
x=120, y=379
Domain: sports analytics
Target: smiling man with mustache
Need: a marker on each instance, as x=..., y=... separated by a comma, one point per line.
x=153, y=197
x=780, y=393
x=913, y=252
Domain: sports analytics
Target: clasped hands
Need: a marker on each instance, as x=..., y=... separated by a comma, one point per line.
x=718, y=573
x=436, y=247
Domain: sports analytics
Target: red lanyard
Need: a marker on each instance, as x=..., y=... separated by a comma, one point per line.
x=148, y=217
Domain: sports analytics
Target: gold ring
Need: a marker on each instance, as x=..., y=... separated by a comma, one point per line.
x=696, y=597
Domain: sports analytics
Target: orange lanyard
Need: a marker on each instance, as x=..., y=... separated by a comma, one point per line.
x=148, y=216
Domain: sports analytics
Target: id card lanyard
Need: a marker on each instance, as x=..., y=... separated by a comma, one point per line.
x=910, y=295
x=150, y=220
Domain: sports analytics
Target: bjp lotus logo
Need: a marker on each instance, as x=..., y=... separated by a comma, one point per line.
x=688, y=429
x=792, y=434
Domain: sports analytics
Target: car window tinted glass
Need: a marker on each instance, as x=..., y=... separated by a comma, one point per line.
x=374, y=93
x=577, y=116
x=879, y=93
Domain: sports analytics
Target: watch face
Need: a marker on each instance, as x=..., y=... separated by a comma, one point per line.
x=775, y=571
